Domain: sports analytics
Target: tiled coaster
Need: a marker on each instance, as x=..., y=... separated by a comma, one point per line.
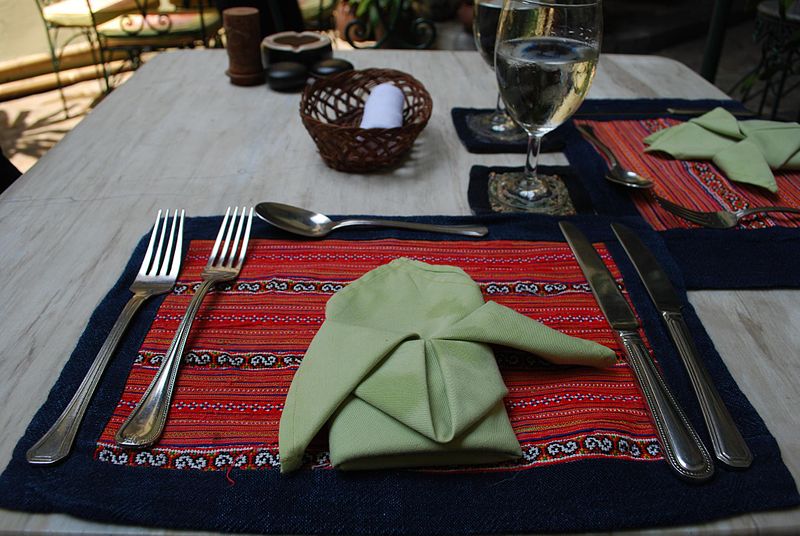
x=565, y=181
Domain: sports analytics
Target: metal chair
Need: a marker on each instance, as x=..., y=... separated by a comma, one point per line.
x=778, y=71
x=149, y=28
x=67, y=21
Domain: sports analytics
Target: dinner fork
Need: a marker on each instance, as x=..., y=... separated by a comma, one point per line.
x=157, y=275
x=144, y=425
x=721, y=219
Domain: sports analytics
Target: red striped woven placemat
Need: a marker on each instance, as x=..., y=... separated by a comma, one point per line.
x=249, y=338
x=693, y=184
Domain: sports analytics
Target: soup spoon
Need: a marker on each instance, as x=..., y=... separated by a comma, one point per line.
x=616, y=173
x=315, y=225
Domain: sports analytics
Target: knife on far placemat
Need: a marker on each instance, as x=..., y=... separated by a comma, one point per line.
x=682, y=447
x=729, y=446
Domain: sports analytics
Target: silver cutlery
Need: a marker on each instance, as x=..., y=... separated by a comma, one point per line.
x=671, y=111
x=682, y=447
x=144, y=425
x=616, y=173
x=729, y=445
x=721, y=219
x=157, y=275
x=701, y=111
x=315, y=225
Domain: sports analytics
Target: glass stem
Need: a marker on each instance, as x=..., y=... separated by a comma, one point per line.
x=534, y=146
x=532, y=188
x=500, y=118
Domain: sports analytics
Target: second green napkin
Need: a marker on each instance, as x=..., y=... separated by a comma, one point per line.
x=746, y=151
x=402, y=372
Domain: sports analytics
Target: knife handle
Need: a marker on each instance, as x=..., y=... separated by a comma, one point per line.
x=729, y=445
x=682, y=447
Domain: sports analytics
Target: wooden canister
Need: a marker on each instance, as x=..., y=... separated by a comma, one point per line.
x=243, y=34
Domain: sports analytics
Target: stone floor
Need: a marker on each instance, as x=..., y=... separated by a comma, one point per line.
x=30, y=126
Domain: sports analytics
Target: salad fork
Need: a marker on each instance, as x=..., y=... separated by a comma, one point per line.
x=144, y=425
x=721, y=219
x=157, y=275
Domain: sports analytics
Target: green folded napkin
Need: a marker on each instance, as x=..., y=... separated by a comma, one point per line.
x=746, y=151
x=402, y=371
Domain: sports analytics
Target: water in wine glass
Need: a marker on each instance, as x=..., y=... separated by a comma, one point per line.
x=495, y=125
x=544, y=79
x=487, y=17
x=545, y=60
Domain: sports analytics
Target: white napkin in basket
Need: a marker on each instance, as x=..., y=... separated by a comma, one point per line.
x=384, y=107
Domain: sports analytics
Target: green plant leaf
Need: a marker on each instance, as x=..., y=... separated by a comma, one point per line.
x=362, y=8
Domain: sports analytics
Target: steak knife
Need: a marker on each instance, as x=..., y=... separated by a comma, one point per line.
x=682, y=447
x=729, y=446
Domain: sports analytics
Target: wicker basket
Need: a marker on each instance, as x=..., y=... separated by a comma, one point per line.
x=331, y=110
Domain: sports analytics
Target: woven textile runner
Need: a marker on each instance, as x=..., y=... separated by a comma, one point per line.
x=695, y=184
x=250, y=337
x=591, y=460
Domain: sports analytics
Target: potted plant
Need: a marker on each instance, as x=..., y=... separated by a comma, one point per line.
x=390, y=23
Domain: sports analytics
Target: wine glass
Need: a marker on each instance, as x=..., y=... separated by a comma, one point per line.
x=545, y=60
x=484, y=29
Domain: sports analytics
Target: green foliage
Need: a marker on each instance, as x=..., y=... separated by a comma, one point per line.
x=783, y=5
x=374, y=12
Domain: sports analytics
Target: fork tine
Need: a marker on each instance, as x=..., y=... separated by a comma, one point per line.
x=167, y=262
x=213, y=256
x=232, y=256
x=245, y=239
x=149, y=253
x=176, y=257
x=157, y=257
x=224, y=253
x=682, y=212
x=690, y=215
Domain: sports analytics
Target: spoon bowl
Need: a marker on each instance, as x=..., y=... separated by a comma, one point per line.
x=616, y=173
x=625, y=177
x=295, y=219
x=315, y=225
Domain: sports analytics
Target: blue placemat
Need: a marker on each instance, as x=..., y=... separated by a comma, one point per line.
x=592, y=494
x=476, y=143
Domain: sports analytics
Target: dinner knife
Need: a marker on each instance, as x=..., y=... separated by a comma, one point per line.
x=702, y=111
x=682, y=447
x=729, y=445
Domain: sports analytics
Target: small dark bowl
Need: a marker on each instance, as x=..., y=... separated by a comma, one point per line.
x=329, y=67
x=287, y=76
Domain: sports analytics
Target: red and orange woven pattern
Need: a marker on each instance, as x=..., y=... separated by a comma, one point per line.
x=694, y=184
x=249, y=338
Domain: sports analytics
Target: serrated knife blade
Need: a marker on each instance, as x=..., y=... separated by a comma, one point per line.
x=681, y=445
x=728, y=443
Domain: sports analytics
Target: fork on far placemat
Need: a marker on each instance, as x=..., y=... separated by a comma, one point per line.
x=157, y=275
x=144, y=425
x=721, y=219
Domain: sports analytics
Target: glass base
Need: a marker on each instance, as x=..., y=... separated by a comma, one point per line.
x=504, y=195
x=482, y=125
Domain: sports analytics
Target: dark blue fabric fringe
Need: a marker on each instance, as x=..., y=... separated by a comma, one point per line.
x=574, y=496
